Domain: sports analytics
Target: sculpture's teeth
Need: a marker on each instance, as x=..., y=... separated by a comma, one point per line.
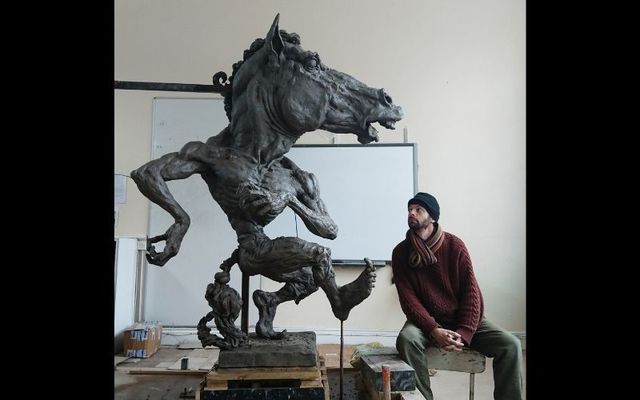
x=389, y=124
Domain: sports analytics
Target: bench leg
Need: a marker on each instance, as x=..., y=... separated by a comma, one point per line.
x=471, y=385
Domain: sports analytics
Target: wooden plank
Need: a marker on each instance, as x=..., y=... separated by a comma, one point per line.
x=161, y=371
x=164, y=364
x=311, y=383
x=204, y=353
x=199, y=359
x=195, y=363
x=465, y=361
x=217, y=385
x=331, y=354
x=169, y=359
x=325, y=379
x=243, y=374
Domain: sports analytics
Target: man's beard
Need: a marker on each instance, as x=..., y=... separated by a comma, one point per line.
x=417, y=225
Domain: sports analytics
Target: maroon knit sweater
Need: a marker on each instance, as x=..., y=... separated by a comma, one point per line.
x=445, y=294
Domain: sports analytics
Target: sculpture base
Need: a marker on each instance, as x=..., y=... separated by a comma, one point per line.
x=269, y=382
x=296, y=349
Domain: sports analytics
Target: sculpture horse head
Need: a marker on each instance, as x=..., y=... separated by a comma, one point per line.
x=280, y=91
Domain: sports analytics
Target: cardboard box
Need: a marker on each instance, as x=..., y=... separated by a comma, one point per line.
x=142, y=339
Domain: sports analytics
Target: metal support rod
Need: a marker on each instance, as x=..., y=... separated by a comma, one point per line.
x=471, y=384
x=244, y=322
x=341, y=350
x=165, y=86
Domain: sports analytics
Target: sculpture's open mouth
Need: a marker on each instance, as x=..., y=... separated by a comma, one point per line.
x=370, y=134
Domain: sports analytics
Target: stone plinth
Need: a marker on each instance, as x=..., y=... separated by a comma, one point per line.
x=296, y=349
x=403, y=377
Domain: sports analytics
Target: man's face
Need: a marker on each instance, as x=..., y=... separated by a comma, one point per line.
x=418, y=217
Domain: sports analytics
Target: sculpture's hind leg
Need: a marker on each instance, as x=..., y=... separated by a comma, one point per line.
x=353, y=293
x=288, y=259
x=299, y=285
x=344, y=298
x=267, y=304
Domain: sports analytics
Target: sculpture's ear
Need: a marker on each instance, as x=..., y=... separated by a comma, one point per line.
x=273, y=41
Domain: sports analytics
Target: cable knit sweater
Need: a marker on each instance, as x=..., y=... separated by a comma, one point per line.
x=445, y=294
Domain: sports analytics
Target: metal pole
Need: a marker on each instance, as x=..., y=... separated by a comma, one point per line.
x=471, y=384
x=244, y=322
x=220, y=85
x=341, y=350
x=164, y=86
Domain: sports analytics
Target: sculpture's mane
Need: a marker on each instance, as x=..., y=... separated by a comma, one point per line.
x=257, y=44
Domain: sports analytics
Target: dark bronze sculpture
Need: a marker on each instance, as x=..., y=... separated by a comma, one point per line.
x=277, y=93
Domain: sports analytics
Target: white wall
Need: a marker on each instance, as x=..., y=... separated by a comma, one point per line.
x=456, y=67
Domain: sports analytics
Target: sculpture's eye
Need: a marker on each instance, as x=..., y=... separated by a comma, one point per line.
x=310, y=63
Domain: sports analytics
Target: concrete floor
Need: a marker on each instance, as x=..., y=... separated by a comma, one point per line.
x=445, y=384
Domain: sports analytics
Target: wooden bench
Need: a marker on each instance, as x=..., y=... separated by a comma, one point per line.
x=467, y=360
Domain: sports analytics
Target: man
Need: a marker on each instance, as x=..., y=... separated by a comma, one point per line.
x=440, y=296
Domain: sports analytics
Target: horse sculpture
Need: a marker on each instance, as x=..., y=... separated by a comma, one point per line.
x=277, y=93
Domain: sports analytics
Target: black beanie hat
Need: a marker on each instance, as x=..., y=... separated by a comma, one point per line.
x=428, y=202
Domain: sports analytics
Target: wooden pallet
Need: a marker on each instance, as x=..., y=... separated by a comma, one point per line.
x=303, y=383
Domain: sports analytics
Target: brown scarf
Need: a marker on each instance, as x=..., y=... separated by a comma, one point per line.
x=422, y=253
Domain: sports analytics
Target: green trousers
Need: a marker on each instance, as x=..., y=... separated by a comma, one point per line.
x=489, y=339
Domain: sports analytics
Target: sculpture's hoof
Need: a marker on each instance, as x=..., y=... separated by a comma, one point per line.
x=352, y=294
x=269, y=333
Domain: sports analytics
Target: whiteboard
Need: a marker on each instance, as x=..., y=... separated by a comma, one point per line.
x=365, y=189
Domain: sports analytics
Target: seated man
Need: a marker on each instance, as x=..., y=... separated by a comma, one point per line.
x=442, y=301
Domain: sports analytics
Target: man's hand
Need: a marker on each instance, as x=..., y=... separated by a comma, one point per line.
x=447, y=339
